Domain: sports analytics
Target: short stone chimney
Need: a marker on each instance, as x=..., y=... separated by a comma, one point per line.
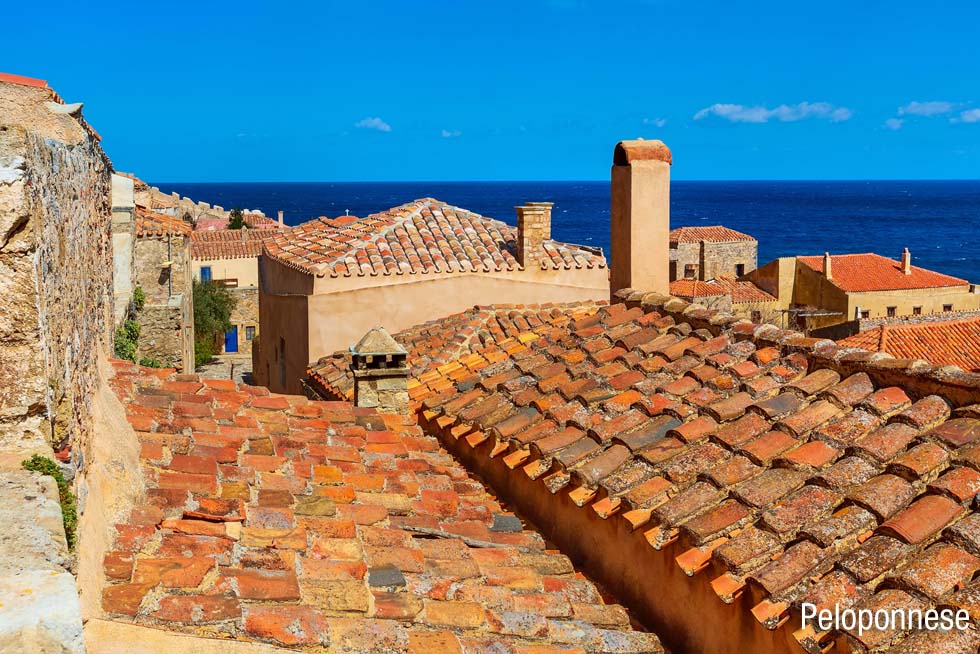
x=907, y=262
x=533, y=229
x=380, y=369
x=280, y=219
x=640, y=217
x=828, y=270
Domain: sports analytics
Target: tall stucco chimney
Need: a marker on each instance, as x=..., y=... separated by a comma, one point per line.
x=380, y=370
x=640, y=217
x=280, y=218
x=828, y=270
x=907, y=262
x=533, y=228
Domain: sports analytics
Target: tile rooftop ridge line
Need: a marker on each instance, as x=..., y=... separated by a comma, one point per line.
x=320, y=526
x=728, y=460
x=377, y=229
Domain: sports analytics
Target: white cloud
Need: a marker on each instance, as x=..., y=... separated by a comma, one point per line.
x=932, y=108
x=968, y=116
x=894, y=123
x=656, y=122
x=373, y=123
x=739, y=113
x=451, y=133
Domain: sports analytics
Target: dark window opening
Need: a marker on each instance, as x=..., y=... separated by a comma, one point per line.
x=249, y=333
x=947, y=307
x=916, y=311
x=739, y=269
x=865, y=314
x=892, y=311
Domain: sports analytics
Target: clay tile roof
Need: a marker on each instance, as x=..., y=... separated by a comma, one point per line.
x=23, y=81
x=945, y=343
x=858, y=273
x=321, y=527
x=151, y=223
x=692, y=288
x=252, y=221
x=422, y=237
x=743, y=291
x=228, y=243
x=712, y=234
x=770, y=468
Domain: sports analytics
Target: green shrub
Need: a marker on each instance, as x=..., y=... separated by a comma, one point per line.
x=139, y=298
x=236, y=219
x=132, y=329
x=150, y=362
x=203, y=352
x=69, y=514
x=213, y=304
x=124, y=346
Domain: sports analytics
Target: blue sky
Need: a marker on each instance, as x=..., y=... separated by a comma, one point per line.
x=511, y=90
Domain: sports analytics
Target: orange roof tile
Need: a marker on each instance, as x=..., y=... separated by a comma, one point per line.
x=318, y=526
x=228, y=243
x=743, y=291
x=761, y=462
x=945, y=343
x=693, y=288
x=713, y=234
x=23, y=81
x=151, y=223
x=859, y=273
x=252, y=220
x=424, y=236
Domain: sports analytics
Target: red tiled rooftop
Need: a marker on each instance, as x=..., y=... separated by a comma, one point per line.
x=694, y=288
x=763, y=464
x=228, y=243
x=743, y=291
x=151, y=223
x=858, y=273
x=23, y=81
x=712, y=234
x=317, y=526
x=252, y=221
x=945, y=343
x=424, y=236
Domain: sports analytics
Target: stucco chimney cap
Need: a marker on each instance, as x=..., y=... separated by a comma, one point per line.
x=627, y=152
x=377, y=342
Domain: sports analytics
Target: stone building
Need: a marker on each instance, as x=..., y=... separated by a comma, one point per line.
x=708, y=252
x=725, y=293
x=325, y=283
x=822, y=291
x=230, y=257
x=162, y=258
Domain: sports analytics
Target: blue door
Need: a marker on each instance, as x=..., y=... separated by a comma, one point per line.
x=231, y=340
x=205, y=274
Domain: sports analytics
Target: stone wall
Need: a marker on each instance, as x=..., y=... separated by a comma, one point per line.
x=162, y=335
x=167, y=319
x=56, y=281
x=245, y=315
x=710, y=260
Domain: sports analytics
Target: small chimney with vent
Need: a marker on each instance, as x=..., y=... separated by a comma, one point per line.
x=380, y=370
x=281, y=223
x=533, y=229
x=907, y=262
x=828, y=270
x=640, y=217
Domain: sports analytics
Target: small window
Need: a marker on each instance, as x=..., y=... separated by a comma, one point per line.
x=739, y=269
x=947, y=307
x=249, y=333
x=690, y=270
x=892, y=312
x=865, y=314
x=205, y=273
x=916, y=311
x=756, y=316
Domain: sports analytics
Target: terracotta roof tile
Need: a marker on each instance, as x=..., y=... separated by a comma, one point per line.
x=771, y=460
x=422, y=237
x=946, y=343
x=210, y=224
x=858, y=273
x=229, y=243
x=317, y=526
x=713, y=234
x=151, y=223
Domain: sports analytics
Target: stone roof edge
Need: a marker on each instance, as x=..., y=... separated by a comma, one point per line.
x=916, y=376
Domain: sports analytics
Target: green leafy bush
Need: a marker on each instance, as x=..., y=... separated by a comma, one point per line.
x=236, y=219
x=139, y=298
x=132, y=329
x=123, y=346
x=213, y=305
x=69, y=513
x=150, y=362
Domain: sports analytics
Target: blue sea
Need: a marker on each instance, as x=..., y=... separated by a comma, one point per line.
x=939, y=221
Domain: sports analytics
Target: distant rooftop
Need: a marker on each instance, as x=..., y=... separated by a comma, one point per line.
x=713, y=234
x=151, y=223
x=858, y=273
x=229, y=243
x=949, y=343
x=424, y=236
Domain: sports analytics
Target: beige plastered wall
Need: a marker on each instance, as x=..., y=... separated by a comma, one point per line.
x=245, y=269
x=930, y=299
x=340, y=310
